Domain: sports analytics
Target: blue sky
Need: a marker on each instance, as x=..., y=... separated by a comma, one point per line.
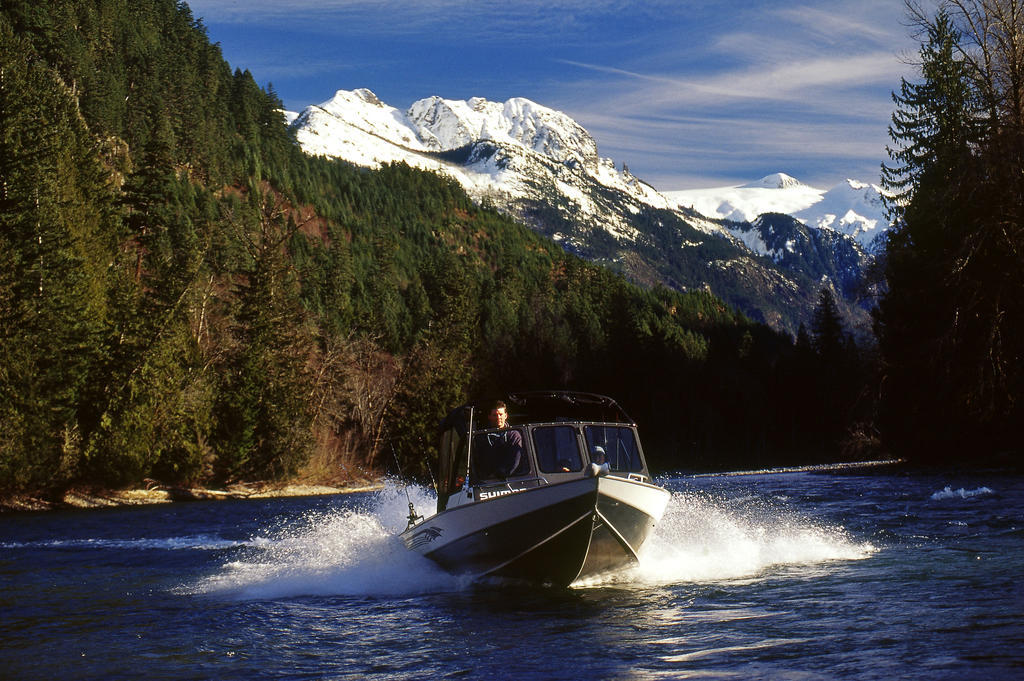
x=687, y=93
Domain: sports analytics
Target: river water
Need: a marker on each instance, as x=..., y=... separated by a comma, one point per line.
x=856, y=574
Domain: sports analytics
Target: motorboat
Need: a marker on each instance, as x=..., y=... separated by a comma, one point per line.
x=559, y=494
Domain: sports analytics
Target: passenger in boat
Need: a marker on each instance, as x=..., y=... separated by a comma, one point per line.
x=503, y=457
x=598, y=461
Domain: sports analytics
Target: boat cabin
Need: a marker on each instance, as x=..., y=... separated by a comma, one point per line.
x=551, y=437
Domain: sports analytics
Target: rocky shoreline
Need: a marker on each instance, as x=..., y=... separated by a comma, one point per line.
x=160, y=494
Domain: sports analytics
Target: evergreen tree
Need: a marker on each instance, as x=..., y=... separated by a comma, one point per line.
x=59, y=236
x=264, y=417
x=829, y=338
x=839, y=376
x=949, y=326
x=935, y=126
x=439, y=369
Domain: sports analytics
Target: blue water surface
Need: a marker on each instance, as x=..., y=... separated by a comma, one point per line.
x=855, y=574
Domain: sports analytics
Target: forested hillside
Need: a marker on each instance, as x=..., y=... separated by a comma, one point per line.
x=185, y=296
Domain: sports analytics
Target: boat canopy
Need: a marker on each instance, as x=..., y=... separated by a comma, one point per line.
x=540, y=406
x=562, y=405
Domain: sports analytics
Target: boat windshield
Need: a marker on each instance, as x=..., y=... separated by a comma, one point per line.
x=499, y=454
x=557, y=449
x=616, y=445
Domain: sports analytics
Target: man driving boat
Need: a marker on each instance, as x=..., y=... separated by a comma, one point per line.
x=501, y=452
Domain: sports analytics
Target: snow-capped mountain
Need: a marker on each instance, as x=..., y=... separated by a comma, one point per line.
x=851, y=207
x=508, y=151
x=778, y=193
x=543, y=168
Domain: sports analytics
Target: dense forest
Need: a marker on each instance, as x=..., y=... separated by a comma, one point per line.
x=187, y=297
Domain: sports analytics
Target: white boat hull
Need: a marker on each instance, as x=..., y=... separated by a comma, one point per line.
x=555, y=533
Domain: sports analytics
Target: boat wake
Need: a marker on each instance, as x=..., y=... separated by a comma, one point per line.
x=353, y=552
x=704, y=538
x=357, y=552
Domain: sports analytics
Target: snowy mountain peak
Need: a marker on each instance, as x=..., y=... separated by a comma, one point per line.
x=853, y=208
x=367, y=96
x=517, y=149
x=444, y=124
x=344, y=100
x=775, y=181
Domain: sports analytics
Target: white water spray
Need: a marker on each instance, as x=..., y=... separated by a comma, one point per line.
x=962, y=493
x=343, y=552
x=701, y=538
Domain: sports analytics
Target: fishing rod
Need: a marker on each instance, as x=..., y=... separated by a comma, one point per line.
x=469, y=449
x=413, y=517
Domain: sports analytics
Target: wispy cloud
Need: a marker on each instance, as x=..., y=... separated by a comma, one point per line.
x=493, y=19
x=674, y=88
x=872, y=23
x=782, y=82
x=714, y=152
x=802, y=84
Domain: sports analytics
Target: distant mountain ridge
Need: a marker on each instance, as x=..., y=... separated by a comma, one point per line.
x=542, y=167
x=853, y=208
x=358, y=127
